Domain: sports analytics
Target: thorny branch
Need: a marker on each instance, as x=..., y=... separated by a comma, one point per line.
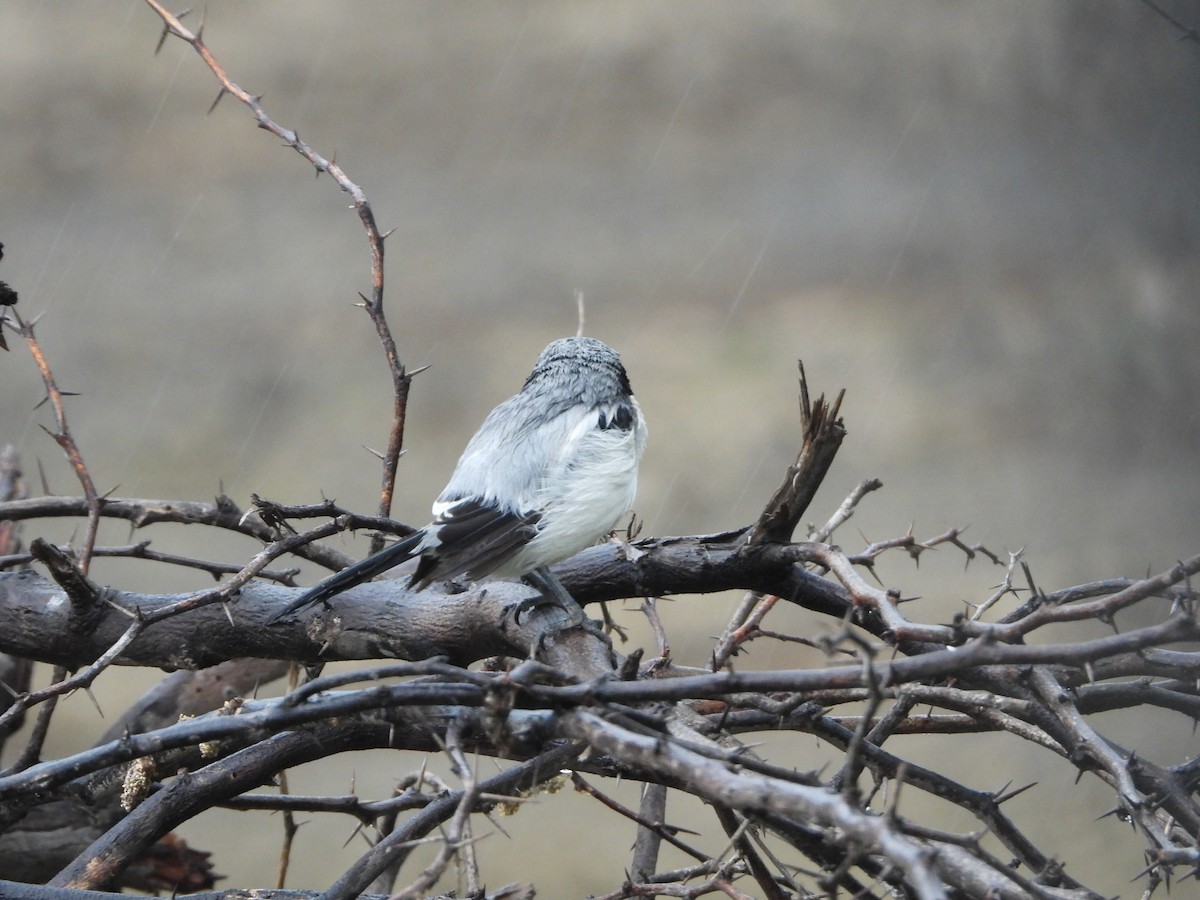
x=63, y=437
x=401, y=377
x=983, y=692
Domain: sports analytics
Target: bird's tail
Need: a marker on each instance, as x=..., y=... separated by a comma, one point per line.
x=361, y=571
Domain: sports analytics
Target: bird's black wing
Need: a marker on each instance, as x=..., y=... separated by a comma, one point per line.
x=472, y=537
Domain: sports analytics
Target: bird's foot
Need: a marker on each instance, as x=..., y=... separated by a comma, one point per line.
x=556, y=631
x=610, y=624
x=554, y=594
x=561, y=630
x=577, y=616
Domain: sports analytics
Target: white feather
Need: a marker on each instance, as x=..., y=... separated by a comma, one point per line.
x=584, y=492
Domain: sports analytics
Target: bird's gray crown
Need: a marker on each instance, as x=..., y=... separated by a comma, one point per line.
x=582, y=367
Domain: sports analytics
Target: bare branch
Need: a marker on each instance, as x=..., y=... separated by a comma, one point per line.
x=751, y=793
x=401, y=378
x=823, y=432
x=64, y=438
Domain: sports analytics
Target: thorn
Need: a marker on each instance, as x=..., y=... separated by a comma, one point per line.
x=228, y=614
x=1033, y=588
x=387, y=234
x=353, y=834
x=1146, y=871
x=805, y=405
x=1004, y=798
x=95, y=702
x=413, y=373
x=221, y=93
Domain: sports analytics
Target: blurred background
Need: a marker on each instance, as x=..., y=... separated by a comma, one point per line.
x=981, y=219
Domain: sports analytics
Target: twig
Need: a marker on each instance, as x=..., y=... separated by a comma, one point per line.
x=915, y=548
x=257, y=564
x=713, y=781
x=823, y=432
x=396, y=845
x=650, y=611
x=289, y=834
x=32, y=753
x=348, y=804
x=223, y=513
x=81, y=679
x=141, y=550
x=727, y=645
x=458, y=834
x=653, y=809
x=739, y=632
x=846, y=510
x=401, y=378
x=736, y=831
x=1005, y=586
x=660, y=828
x=64, y=438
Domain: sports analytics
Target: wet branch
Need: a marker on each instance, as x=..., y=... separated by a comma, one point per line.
x=401, y=377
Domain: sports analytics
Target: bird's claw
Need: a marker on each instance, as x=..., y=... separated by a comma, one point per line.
x=576, y=617
x=530, y=603
x=550, y=632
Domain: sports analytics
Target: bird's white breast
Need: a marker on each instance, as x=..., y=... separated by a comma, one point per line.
x=584, y=492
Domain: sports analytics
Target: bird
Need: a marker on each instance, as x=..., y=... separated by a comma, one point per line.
x=549, y=472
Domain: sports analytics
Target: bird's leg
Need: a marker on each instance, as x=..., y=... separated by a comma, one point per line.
x=553, y=593
x=610, y=624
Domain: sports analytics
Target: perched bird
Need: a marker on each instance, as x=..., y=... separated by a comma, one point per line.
x=548, y=473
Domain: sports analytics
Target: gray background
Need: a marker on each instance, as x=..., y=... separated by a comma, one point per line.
x=979, y=218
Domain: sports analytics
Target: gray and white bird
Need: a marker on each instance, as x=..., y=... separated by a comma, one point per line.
x=549, y=472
